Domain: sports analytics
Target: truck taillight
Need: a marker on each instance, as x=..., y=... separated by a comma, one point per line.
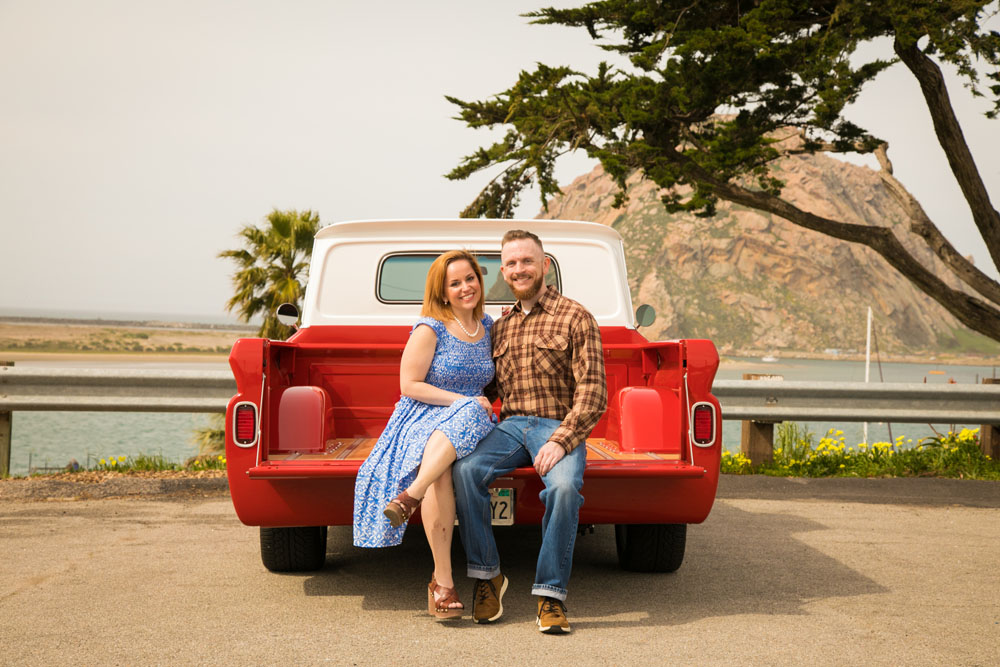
x=245, y=424
x=703, y=419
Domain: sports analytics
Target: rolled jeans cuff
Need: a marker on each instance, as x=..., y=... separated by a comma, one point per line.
x=548, y=591
x=482, y=573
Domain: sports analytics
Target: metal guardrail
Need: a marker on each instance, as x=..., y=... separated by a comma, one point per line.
x=115, y=390
x=782, y=400
x=123, y=390
x=126, y=390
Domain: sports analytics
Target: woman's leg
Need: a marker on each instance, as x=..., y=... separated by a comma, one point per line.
x=438, y=515
x=439, y=454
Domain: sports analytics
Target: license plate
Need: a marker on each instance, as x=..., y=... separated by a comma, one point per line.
x=502, y=507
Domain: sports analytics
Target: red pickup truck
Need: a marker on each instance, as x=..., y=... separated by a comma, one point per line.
x=308, y=410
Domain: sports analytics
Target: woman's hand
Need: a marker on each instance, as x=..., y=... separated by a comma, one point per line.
x=483, y=401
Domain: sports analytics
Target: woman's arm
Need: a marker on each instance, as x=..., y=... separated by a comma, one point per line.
x=417, y=357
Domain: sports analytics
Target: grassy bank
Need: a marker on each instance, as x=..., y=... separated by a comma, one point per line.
x=52, y=338
x=797, y=453
x=142, y=463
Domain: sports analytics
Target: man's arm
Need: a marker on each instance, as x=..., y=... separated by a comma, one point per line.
x=590, y=398
x=492, y=390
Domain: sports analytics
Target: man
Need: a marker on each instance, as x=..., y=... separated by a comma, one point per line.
x=550, y=376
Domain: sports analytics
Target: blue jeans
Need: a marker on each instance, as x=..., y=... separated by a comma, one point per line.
x=513, y=444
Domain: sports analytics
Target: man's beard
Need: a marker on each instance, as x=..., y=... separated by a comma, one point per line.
x=528, y=294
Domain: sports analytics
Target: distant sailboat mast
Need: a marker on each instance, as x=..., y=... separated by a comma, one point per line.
x=868, y=361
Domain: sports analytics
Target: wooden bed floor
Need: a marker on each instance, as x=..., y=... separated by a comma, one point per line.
x=357, y=449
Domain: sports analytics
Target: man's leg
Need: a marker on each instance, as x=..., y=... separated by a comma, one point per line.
x=500, y=452
x=562, y=500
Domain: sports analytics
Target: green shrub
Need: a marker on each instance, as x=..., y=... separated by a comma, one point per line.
x=795, y=455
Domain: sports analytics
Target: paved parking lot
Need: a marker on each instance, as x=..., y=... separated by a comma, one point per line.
x=780, y=573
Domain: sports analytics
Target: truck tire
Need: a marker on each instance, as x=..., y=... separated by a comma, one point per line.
x=293, y=549
x=657, y=547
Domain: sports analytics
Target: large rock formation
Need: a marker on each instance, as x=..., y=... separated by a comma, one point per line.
x=755, y=283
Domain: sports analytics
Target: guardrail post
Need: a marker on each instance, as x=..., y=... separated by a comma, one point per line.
x=989, y=434
x=757, y=437
x=5, y=430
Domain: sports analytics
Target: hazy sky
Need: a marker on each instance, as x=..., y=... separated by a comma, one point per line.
x=136, y=138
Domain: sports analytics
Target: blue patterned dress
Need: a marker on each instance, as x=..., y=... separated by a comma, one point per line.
x=464, y=368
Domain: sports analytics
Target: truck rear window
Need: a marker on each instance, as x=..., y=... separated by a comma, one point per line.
x=401, y=277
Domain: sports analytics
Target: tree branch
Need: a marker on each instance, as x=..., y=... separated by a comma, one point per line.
x=949, y=134
x=924, y=227
x=970, y=311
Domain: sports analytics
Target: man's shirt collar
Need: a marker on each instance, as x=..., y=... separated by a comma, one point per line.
x=546, y=302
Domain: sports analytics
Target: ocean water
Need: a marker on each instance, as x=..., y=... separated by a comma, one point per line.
x=822, y=370
x=50, y=439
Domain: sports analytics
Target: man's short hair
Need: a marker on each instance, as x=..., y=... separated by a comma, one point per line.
x=517, y=235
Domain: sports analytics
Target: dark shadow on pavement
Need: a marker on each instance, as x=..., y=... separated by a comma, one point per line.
x=737, y=562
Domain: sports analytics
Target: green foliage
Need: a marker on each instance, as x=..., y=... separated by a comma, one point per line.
x=793, y=440
x=972, y=341
x=766, y=65
x=156, y=462
x=796, y=455
x=272, y=267
x=212, y=438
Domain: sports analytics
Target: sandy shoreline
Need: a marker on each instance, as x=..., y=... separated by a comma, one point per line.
x=24, y=339
x=85, y=342
x=746, y=363
x=748, y=360
x=116, y=357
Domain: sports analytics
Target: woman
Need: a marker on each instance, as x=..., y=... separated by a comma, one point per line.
x=441, y=416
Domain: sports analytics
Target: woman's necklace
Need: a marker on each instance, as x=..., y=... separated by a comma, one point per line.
x=462, y=327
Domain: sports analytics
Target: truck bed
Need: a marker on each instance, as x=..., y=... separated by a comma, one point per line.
x=343, y=457
x=357, y=449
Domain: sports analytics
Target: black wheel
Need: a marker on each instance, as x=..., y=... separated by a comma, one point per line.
x=293, y=549
x=657, y=547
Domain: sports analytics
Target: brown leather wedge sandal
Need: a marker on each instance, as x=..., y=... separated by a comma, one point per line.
x=401, y=508
x=440, y=607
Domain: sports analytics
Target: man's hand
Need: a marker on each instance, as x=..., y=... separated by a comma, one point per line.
x=548, y=456
x=483, y=401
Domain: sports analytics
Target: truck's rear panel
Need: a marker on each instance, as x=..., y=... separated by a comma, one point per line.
x=321, y=399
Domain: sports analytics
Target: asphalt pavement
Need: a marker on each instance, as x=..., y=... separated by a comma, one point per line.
x=782, y=572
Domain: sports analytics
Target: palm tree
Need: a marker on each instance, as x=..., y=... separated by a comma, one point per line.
x=272, y=267
x=271, y=270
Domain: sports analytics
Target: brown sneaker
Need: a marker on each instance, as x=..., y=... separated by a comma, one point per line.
x=552, y=616
x=487, y=599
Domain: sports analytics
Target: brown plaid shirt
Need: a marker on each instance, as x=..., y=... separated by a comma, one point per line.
x=550, y=364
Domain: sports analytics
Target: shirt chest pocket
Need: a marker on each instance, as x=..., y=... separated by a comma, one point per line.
x=551, y=354
x=502, y=360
